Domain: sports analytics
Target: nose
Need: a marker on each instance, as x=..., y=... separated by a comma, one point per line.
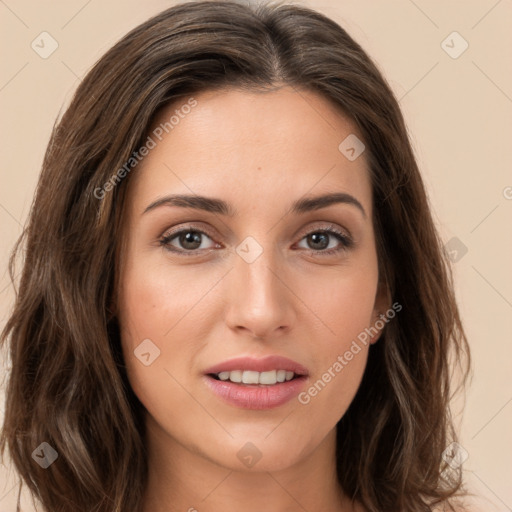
x=260, y=301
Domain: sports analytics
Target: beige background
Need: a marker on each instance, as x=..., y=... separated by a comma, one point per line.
x=459, y=113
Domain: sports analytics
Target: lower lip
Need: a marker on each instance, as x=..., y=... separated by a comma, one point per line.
x=256, y=397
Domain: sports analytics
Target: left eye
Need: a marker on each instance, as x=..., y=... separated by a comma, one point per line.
x=327, y=241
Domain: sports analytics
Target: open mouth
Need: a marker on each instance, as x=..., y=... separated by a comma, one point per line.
x=257, y=383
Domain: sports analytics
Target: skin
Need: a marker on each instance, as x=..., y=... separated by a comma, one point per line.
x=259, y=152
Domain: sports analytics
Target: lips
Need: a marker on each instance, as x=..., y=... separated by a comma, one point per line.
x=252, y=383
x=265, y=364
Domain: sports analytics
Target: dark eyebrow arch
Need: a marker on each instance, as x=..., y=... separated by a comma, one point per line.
x=208, y=204
x=316, y=203
x=214, y=205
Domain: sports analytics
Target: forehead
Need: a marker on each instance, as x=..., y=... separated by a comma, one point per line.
x=251, y=146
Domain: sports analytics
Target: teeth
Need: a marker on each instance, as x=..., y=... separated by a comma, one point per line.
x=250, y=377
x=267, y=377
x=235, y=376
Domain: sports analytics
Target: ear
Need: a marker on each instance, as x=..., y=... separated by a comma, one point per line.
x=381, y=305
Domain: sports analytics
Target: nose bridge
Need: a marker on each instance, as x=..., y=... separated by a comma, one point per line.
x=260, y=302
x=259, y=278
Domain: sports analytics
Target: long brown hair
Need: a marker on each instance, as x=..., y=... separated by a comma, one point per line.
x=68, y=386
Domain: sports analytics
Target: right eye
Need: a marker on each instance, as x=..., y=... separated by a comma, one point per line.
x=188, y=241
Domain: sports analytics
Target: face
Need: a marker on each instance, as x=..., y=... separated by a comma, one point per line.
x=256, y=283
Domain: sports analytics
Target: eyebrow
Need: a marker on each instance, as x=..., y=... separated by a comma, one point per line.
x=214, y=205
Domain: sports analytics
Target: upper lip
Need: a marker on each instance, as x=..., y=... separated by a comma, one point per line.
x=263, y=364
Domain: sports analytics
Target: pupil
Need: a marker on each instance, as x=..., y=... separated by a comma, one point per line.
x=319, y=237
x=191, y=237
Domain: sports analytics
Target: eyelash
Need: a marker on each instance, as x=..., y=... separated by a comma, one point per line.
x=346, y=241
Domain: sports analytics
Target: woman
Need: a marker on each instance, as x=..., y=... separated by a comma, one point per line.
x=233, y=294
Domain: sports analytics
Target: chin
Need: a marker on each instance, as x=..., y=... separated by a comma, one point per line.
x=262, y=453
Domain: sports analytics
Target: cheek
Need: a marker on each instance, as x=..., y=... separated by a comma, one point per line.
x=344, y=302
x=160, y=313
x=155, y=302
x=142, y=323
x=345, y=306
